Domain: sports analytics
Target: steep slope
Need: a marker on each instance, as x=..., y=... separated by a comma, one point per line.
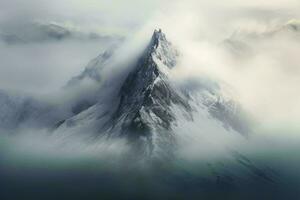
x=146, y=97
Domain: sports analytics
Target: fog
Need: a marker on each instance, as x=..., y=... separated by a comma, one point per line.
x=37, y=57
x=203, y=26
x=260, y=66
x=248, y=48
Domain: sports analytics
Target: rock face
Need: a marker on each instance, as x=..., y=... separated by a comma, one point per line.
x=146, y=97
x=146, y=93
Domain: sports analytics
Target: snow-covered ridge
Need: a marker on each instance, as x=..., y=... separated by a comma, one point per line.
x=147, y=95
x=162, y=49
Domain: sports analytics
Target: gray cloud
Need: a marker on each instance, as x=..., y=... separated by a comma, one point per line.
x=48, y=32
x=54, y=40
x=113, y=17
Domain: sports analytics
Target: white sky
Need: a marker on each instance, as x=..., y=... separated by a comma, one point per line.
x=197, y=26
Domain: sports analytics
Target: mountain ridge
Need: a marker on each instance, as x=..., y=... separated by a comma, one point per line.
x=148, y=106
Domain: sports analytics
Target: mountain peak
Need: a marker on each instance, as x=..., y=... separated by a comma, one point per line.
x=147, y=95
x=162, y=50
x=157, y=37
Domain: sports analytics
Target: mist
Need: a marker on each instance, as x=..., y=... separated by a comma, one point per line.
x=249, y=47
x=263, y=76
x=246, y=51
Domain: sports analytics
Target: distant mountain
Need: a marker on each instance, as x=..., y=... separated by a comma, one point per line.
x=49, y=31
x=241, y=41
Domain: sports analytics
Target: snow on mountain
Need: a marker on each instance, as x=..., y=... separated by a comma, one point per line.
x=150, y=107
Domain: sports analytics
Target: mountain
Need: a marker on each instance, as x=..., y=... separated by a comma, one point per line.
x=147, y=96
x=150, y=105
x=146, y=106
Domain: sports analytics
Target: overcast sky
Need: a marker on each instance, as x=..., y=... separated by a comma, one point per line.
x=37, y=57
x=34, y=59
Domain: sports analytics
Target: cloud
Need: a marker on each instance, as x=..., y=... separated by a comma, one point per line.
x=44, y=68
x=113, y=17
x=36, y=32
x=264, y=73
x=265, y=76
x=53, y=41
